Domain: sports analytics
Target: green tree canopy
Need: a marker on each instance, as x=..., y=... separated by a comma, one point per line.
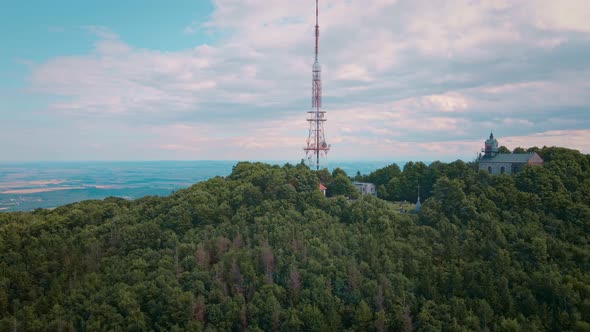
x=262, y=249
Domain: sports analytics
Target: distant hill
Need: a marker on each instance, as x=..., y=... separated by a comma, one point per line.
x=263, y=249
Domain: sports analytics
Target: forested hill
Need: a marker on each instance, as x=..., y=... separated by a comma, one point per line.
x=262, y=249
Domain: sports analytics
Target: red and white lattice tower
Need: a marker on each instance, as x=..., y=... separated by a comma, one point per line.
x=316, y=147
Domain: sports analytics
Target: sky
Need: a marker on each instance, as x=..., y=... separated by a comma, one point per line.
x=231, y=79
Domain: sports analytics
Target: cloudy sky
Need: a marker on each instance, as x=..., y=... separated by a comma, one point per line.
x=231, y=79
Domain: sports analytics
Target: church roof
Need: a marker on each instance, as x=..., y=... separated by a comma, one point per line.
x=522, y=158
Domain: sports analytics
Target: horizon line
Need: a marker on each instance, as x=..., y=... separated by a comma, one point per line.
x=225, y=160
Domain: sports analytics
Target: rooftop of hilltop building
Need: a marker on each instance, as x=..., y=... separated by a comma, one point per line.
x=511, y=157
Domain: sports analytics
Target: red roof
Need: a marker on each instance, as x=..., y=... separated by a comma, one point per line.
x=322, y=187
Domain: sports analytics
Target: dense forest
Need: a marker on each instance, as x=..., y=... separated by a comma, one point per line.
x=263, y=249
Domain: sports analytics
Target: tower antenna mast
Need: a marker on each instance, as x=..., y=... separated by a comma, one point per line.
x=316, y=147
x=317, y=31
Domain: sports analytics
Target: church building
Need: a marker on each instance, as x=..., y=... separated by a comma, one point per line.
x=505, y=163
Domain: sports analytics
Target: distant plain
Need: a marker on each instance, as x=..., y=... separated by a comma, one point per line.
x=28, y=186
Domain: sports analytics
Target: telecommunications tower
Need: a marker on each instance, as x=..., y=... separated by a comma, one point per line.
x=316, y=147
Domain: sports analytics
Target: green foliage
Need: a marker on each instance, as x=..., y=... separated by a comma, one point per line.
x=338, y=171
x=262, y=249
x=383, y=175
x=518, y=150
x=341, y=185
x=404, y=186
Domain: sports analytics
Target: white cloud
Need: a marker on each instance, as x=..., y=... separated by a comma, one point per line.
x=398, y=76
x=450, y=102
x=574, y=139
x=352, y=72
x=571, y=15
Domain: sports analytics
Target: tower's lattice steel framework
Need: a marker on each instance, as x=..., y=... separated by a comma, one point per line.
x=316, y=148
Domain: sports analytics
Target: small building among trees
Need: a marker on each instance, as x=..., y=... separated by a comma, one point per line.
x=496, y=163
x=323, y=189
x=366, y=188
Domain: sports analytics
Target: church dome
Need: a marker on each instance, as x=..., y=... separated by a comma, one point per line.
x=491, y=141
x=491, y=146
